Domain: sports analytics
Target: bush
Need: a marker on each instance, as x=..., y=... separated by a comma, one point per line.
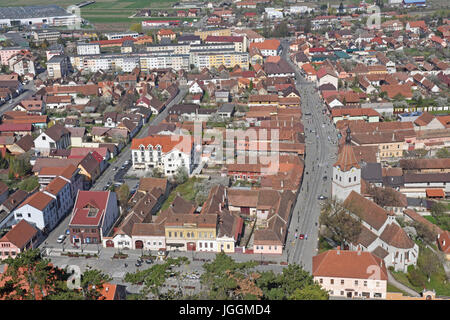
x=416, y=277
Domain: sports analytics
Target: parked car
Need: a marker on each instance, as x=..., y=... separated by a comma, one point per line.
x=322, y=197
x=61, y=238
x=301, y=237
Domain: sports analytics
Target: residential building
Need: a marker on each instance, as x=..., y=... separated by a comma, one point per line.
x=21, y=237
x=58, y=67
x=168, y=152
x=55, y=137
x=93, y=216
x=351, y=274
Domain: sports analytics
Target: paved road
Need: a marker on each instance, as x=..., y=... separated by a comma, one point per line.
x=401, y=286
x=125, y=154
x=320, y=156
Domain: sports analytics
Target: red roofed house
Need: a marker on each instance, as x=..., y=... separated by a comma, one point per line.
x=21, y=237
x=350, y=274
x=269, y=47
x=166, y=33
x=165, y=151
x=367, y=114
x=324, y=75
x=40, y=210
x=416, y=26
x=93, y=216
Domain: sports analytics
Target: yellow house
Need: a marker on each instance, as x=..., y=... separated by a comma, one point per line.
x=212, y=32
x=191, y=232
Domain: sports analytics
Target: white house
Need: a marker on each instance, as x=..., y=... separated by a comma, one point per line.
x=350, y=274
x=55, y=137
x=195, y=88
x=88, y=48
x=40, y=210
x=148, y=236
x=381, y=234
x=168, y=152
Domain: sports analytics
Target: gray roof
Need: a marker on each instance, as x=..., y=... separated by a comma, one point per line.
x=417, y=202
x=371, y=172
x=226, y=107
x=393, y=182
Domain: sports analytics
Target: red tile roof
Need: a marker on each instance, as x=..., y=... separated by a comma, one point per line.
x=20, y=234
x=346, y=158
x=167, y=142
x=367, y=210
x=348, y=264
x=85, y=211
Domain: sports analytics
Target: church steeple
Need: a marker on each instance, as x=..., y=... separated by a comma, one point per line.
x=348, y=138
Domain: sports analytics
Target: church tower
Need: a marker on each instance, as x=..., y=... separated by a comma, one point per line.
x=346, y=172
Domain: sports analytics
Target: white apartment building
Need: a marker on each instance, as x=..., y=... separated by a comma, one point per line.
x=88, y=49
x=168, y=152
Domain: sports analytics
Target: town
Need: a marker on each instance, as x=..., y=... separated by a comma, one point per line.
x=292, y=150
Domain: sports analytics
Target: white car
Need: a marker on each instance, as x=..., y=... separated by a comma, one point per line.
x=61, y=238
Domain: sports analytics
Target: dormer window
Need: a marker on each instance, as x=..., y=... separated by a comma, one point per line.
x=150, y=147
x=141, y=147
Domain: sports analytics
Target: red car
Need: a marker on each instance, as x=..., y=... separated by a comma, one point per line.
x=301, y=237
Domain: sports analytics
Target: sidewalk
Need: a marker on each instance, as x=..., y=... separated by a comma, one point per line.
x=401, y=286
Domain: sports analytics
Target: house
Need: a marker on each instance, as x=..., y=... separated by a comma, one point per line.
x=268, y=47
x=168, y=152
x=416, y=26
x=55, y=137
x=166, y=34
x=40, y=210
x=191, y=232
x=93, y=216
x=325, y=75
x=427, y=121
x=350, y=274
x=381, y=234
x=226, y=110
x=21, y=237
x=8, y=206
x=22, y=145
x=366, y=114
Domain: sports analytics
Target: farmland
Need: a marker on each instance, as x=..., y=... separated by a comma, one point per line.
x=104, y=14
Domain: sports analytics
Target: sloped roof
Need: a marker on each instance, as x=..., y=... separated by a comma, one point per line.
x=396, y=236
x=20, y=234
x=367, y=210
x=348, y=264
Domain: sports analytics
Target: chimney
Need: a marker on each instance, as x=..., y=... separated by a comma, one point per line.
x=106, y=288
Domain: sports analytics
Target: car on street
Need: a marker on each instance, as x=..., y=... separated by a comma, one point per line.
x=61, y=238
x=67, y=231
x=115, y=168
x=325, y=178
x=138, y=264
x=301, y=237
x=322, y=197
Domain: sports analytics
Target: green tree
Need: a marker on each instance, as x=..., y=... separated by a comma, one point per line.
x=28, y=274
x=3, y=162
x=157, y=173
x=294, y=283
x=136, y=27
x=181, y=175
x=340, y=225
x=29, y=184
x=123, y=194
x=91, y=282
x=429, y=262
x=309, y=292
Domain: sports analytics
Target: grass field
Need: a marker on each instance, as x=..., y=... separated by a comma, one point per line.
x=105, y=14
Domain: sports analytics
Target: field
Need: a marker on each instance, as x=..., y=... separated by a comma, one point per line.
x=105, y=14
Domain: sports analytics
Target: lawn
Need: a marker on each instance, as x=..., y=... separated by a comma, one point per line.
x=186, y=191
x=391, y=288
x=438, y=281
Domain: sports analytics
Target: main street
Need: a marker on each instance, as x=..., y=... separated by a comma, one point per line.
x=321, y=150
x=125, y=154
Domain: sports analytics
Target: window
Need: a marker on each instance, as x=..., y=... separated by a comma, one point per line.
x=350, y=179
x=342, y=293
x=170, y=234
x=210, y=245
x=228, y=246
x=342, y=281
x=356, y=282
x=29, y=215
x=331, y=281
x=320, y=280
x=200, y=244
x=354, y=178
x=365, y=283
